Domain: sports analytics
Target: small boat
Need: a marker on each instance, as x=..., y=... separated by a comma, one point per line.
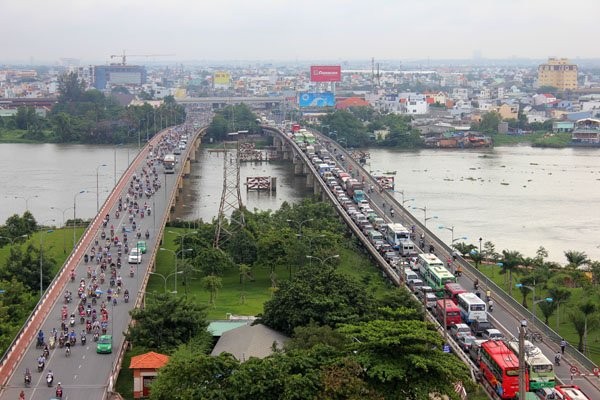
x=390, y=172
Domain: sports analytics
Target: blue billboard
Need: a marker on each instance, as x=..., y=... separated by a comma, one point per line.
x=325, y=99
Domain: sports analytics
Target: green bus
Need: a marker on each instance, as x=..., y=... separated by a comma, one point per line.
x=541, y=370
x=434, y=272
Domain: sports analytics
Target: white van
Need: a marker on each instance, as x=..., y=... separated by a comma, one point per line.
x=410, y=275
x=406, y=248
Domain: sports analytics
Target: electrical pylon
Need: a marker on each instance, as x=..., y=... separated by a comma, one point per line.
x=231, y=199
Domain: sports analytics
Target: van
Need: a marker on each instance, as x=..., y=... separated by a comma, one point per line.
x=410, y=275
x=447, y=307
x=415, y=284
x=406, y=248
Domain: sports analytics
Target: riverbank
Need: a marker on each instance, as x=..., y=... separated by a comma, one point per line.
x=536, y=139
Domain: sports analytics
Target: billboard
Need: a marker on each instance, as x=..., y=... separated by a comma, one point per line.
x=222, y=78
x=325, y=73
x=326, y=99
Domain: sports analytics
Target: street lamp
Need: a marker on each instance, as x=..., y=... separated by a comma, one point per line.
x=451, y=229
x=27, y=200
x=12, y=240
x=323, y=260
x=97, y=189
x=533, y=301
x=425, y=219
x=63, y=225
x=175, y=255
x=300, y=225
x=166, y=278
x=460, y=238
x=480, y=239
x=41, y=255
x=75, y=212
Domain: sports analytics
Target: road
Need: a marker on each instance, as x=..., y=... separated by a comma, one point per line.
x=503, y=316
x=85, y=374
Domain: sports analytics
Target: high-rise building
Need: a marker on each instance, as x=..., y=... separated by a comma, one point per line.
x=559, y=73
x=117, y=74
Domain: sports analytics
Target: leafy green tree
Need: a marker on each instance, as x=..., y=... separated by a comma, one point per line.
x=245, y=275
x=477, y=258
x=24, y=265
x=190, y=375
x=547, y=308
x=316, y=293
x=404, y=358
x=242, y=247
x=17, y=226
x=464, y=248
x=212, y=283
x=311, y=335
x=559, y=296
x=595, y=270
x=213, y=261
x=70, y=88
x=348, y=127
x=510, y=262
x=489, y=250
x=576, y=259
x=489, y=122
x=590, y=314
x=343, y=380
x=167, y=322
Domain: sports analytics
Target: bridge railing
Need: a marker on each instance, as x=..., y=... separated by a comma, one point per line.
x=114, y=374
x=35, y=320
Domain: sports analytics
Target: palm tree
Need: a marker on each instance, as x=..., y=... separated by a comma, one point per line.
x=576, y=317
x=576, y=258
x=477, y=257
x=547, y=308
x=510, y=260
x=559, y=295
x=595, y=270
x=212, y=283
x=589, y=311
x=526, y=283
x=245, y=273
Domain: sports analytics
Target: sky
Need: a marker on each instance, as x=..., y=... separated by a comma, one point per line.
x=282, y=30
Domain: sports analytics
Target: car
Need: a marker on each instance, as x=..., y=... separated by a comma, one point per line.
x=426, y=297
x=141, y=245
x=474, y=350
x=547, y=394
x=492, y=334
x=135, y=256
x=458, y=330
x=479, y=326
x=104, y=345
x=466, y=341
x=571, y=392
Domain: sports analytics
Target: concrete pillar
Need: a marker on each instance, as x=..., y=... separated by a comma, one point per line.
x=298, y=167
x=317, y=189
x=310, y=180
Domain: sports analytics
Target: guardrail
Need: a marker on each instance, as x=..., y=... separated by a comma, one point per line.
x=152, y=262
x=35, y=320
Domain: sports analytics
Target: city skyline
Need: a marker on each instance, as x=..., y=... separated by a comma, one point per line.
x=333, y=30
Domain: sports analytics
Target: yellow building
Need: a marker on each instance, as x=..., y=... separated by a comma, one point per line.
x=558, y=72
x=508, y=111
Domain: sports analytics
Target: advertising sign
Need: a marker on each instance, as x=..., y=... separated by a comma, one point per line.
x=325, y=73
x=222, y=78
x=325, y=99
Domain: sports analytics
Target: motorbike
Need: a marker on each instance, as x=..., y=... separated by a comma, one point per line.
x=72, y=321
x=131, y=272
x=40, y=342
x=96, y=336
x=557, y=359
x=46, y=353
x=49, y=380
x=147, y=234
x=59, y=393
x=27, y=379
x=41, y=366
x=52, y=343
x=83, y=340
x=68, y=351
x=72, y=340
x=126, y=298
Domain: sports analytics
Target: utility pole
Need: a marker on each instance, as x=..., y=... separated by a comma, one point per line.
x=522, y=382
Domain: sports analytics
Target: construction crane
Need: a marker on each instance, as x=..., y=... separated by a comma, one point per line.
x=124, y=56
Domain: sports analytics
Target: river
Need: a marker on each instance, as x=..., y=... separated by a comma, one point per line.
x=519, y=198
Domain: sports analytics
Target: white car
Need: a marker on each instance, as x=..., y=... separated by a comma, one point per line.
x=492, y=334
x=135, y=256
x=458, y=330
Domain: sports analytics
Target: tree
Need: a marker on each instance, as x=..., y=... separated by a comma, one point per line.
x=213, y=261
x=547, y=308
x=191, y=375
x=595, y=270
x=404, y=358
x=489, y=250
x=463, y=248
x=168, y=322
x=70, y=88
x=589, y=311
x=559, y=295
x=316, y=293
x=477, y=258
x=576, y=259
x=311, y=335
x=489, y=122
x=25, y=267
x=510, y=261
x=212, y=283
x=343, y=380
x=245, y=274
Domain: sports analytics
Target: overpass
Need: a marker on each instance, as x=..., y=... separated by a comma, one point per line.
x=220, y=102
x=507, y=312
x=85, y=374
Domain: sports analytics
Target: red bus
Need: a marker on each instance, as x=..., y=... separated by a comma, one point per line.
x=500, y=368
x=571, y=392
x=452, y=290
x=452, y=312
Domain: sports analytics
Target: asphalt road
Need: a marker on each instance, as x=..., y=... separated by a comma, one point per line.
x=85, y=374
x=503, y=318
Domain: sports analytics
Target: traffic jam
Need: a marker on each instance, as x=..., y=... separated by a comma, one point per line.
x=464, y=313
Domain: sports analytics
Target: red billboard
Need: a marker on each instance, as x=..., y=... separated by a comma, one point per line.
x=325, y=73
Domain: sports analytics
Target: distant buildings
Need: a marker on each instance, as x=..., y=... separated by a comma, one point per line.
x=117, y=74
x=559, y=73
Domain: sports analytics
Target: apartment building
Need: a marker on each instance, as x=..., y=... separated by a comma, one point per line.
x=559, y=73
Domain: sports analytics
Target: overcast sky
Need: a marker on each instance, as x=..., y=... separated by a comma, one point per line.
x=336, y=30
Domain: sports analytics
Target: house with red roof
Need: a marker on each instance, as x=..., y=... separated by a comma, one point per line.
x=145, y=368
x=351, y=102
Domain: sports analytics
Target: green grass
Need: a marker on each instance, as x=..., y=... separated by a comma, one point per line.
x=257, y=291
x=565, y=328
x=17, y=136
x=537, y=139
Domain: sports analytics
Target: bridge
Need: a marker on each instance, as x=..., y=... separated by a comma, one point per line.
x=507, y=312
x=220, y=102
x=85, y=374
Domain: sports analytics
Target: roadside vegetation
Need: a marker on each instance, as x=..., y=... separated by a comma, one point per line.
x=574, y=312
x=21, y=239
x=89, y=116
x=353, y=333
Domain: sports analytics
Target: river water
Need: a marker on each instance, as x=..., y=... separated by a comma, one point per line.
x=519, y=198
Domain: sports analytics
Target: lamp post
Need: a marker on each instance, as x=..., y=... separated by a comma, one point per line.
x=300, y=225
x=165, y=278
x=175, y=255
x=533, y=301
x=480, y=239
x=97, y=188
x=41, y=255
x=310, y=239
x=63, y=225
x=27, y=200
x=75, y=212
x=323, y=260
x=12, y=240
x=457, y=239
x=451, y=229
x=425, y=219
